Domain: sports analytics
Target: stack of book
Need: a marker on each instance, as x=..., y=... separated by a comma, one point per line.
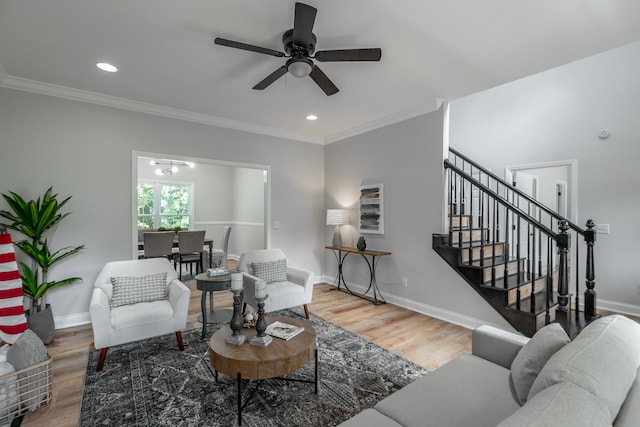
x=217, y=272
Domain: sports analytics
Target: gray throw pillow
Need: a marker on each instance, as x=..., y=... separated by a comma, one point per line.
x=533, y=356
x=27, y=351
x=271, y=271
x=132, y=290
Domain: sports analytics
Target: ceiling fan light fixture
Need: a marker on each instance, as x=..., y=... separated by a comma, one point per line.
x=299, y=67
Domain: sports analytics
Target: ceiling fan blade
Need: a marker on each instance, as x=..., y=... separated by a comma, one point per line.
x=249, y=47
x=304, y=19
x=323, y=81
x=271, y=78
x=349, y=55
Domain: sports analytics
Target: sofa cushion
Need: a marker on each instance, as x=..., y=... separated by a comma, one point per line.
x=603, y=360
x=630, y=411
x=560, y=405
x=270, y=271
x=132, y=290
x=468, y=391
x=532, y=357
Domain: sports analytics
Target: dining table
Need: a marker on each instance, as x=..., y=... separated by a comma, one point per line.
x=207, y=241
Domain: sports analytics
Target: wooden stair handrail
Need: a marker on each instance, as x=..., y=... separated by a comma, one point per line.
x=520, y=193
x=546, y=230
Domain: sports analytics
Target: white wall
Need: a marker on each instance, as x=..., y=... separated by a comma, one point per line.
x=85, y=151
x=557, y=115
x=406, y=158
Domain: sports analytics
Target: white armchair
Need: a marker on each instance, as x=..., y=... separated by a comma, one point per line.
x=132, y=322
x=296, y=290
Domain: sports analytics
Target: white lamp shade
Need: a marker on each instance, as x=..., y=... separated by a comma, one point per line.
x=337, y=217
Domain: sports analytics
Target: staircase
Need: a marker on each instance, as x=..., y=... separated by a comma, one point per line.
x=518, y=254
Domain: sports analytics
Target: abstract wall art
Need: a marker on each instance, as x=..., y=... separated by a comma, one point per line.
x=371, y=209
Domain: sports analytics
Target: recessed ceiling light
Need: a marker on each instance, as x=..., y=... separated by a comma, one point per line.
x=105, y=66
x=312, y=117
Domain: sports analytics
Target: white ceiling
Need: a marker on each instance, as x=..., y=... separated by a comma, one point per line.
x=431, y=49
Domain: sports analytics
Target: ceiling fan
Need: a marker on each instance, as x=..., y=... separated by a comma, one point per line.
x=299, y=45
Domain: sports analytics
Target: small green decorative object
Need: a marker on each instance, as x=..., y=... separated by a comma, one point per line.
x=362, y=244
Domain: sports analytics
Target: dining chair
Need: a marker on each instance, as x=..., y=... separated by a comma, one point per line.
x=158, y=244
x=190, y=250
x=219, y=256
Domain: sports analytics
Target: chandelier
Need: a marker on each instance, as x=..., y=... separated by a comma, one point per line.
x=169, y=167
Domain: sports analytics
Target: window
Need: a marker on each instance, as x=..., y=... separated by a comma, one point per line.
x=166, y=205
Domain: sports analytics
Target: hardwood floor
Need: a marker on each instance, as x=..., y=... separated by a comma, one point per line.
x=422, y=339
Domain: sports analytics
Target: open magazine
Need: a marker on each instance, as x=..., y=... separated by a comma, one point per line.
x=283, y=330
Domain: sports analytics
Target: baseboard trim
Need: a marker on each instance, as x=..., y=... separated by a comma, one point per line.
x=71, y=320
x=429, y=310
x=618, y=307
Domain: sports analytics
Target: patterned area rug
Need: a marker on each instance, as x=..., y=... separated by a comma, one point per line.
x=152, y=383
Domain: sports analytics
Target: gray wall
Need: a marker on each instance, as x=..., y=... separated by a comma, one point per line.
x=557, y=115
x=85, y=151
x=407, y=158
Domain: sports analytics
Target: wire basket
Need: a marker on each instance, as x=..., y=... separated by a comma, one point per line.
x=25, y=390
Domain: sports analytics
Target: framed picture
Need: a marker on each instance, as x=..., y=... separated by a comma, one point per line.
x=371, y=209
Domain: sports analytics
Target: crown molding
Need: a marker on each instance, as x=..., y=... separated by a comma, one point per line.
x=65, y=92
x=380, y=123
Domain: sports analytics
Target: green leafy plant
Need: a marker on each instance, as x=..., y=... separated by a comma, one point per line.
x=33, y=219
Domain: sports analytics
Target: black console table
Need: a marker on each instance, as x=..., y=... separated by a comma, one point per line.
x=341, y=253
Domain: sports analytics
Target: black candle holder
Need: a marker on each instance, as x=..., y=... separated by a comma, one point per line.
x=237, y=338
x=261, y=339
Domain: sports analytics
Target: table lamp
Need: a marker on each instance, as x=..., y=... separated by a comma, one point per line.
x=337, y=217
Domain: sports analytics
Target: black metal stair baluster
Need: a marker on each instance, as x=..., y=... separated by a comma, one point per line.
x=505, y=251
x=528, y=244
x=548, y=282
x=450, y=205
x=493, y=248
x=533, y=279
x=577, y=269
x=470, y=216
x=518, y=296
x=461, y=211
x=483, y=240
x=539, y=244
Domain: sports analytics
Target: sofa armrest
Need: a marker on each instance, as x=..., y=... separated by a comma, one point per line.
x=298, y=276
x=100, y=314
x=178, y=295
x=496, y=345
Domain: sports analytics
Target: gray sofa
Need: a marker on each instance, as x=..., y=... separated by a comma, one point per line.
x=510, y=381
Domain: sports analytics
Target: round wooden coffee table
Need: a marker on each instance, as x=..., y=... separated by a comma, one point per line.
x=253, y=362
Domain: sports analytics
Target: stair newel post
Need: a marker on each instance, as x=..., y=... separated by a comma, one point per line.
x=577, y=268
x=461, y=210
x=533, y=264
x=470, y=216
x=590, y=293
x=563, y=284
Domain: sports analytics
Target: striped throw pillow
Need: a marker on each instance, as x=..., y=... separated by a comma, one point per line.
x=132, y=290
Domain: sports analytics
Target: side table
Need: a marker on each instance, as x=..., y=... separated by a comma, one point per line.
x=210, y=284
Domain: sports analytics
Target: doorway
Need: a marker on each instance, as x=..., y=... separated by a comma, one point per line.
x=222, y=193
x=553, y=184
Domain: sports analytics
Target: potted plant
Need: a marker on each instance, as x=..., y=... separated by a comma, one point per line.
x=33, y=219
